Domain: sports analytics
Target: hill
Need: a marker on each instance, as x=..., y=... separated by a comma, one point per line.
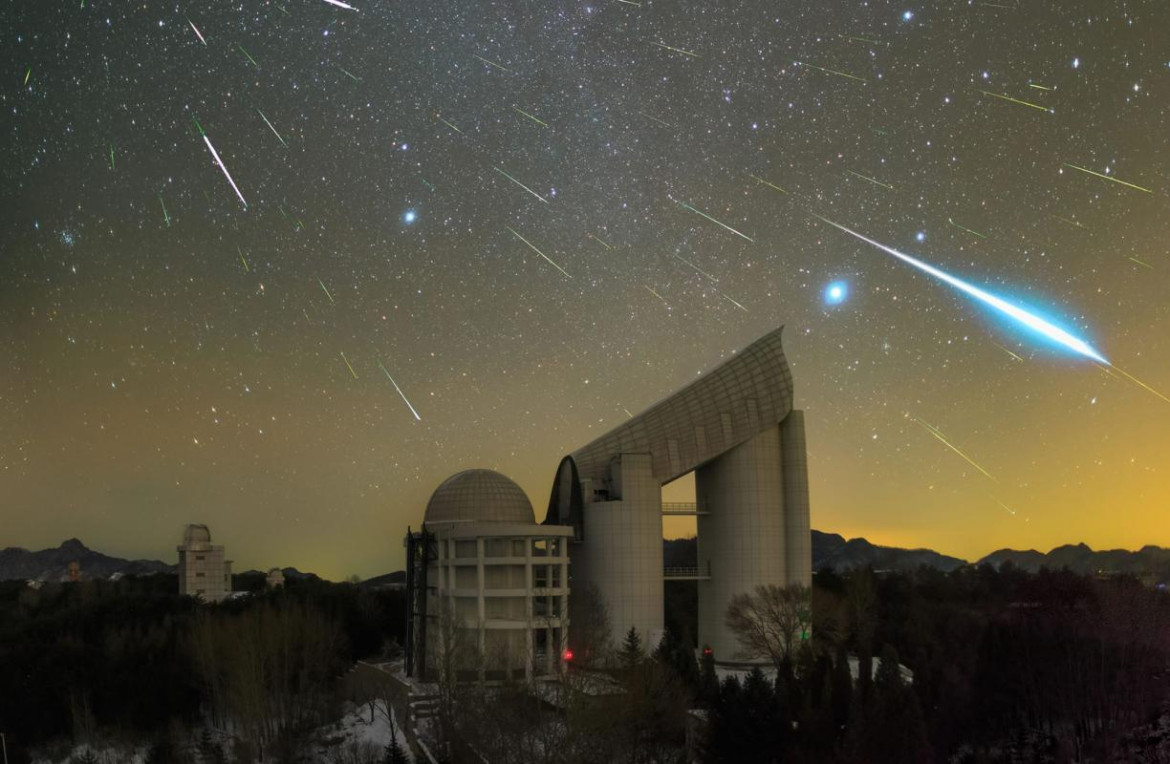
x=53, y=564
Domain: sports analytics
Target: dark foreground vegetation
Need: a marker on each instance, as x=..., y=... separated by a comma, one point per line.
x=131, y=658
x=976, y=665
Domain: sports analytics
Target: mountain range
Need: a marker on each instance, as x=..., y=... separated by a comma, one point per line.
x=829, y=550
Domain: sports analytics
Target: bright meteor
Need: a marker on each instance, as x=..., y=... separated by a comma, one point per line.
x=219, y=162
x=400, y=393
x=1020, y=314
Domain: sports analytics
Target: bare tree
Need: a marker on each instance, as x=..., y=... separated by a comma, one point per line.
x=771, y=622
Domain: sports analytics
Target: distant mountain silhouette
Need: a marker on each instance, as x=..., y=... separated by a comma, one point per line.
x=53, y=564
x=398, y=577
x=831, y=550
x=1080, y=558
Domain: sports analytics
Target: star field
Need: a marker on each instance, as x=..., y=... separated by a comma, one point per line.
x=481, y=234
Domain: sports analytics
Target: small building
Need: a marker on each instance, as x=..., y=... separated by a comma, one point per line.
x=203, y=571
x=275, y=578
x=487, y=586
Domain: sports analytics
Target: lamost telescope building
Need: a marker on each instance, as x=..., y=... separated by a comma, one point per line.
x=735, y=429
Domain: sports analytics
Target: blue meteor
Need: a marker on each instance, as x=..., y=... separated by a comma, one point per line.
x=1020, y=314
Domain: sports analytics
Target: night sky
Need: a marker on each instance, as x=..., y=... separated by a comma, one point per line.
x=539, y=218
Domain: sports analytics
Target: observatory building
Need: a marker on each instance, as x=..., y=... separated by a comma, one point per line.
x=735, y=428
x=203, y=572
x=487, y=586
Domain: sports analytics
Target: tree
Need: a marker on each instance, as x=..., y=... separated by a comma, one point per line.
x=631, y=653
x=393, y=753
x=589, y=637
x=771, y=621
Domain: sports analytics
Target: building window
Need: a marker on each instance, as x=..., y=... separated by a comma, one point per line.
x=496, y=547
x=517, y=547
x=465, y=549
x=554, y=547
x=199, y=574
x=540, y=547
x=198, y=558
x=556, y=576
x=539, y=576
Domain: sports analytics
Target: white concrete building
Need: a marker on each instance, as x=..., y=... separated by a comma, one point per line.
x=488, y=587
x=736, y=429
x=203, y=571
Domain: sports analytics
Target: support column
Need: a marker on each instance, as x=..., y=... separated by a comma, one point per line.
x=741, y=536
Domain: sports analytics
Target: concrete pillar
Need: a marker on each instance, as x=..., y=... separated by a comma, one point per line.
x=623, y=552
x=798, y=537
x=742, y=538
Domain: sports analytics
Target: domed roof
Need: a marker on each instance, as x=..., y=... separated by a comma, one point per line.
x=196, y=535
x=478, y=496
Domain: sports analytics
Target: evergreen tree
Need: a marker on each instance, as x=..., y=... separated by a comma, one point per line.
x=394, y=753
x=708, y=679
x=631, y=652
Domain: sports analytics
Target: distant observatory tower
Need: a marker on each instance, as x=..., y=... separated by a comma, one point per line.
x=736, y=430
x=203, y=572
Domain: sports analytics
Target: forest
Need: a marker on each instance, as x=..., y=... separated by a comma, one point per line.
x=975, y=665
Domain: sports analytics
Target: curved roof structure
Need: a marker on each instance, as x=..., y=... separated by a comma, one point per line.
x=478, y=496
x=197, y=535
x=726, y=407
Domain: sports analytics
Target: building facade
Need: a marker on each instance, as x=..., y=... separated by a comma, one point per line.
x=736, y=430
x=488, y=587
x=203, y=571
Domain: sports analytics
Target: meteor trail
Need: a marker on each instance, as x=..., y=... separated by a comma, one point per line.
x=1014, y=100
x=830, y=71
x=871, y=180
x=1109, y=178
x=1013, y=355
x=934, y=431
x=696, y=268
x=270, y=127
x=322, y=283
x=400, y=393
x=964, y=228
x=537, y=251
x=766, y=183
x=340, y=4
x=245, y=262
x=655, y=119
x=448, y=124
x=219, y=162
x=249, y=55
x=197, y=32
x=518, y=183
x=660, y=297
x=27, y=74
x=713, y=220
x=166, y=217
x=540, y=122
x=493, y=63
x=1109, y=369
x=692, y=54
x=350, y=74
x=598, y=240
x=349, y=366
x=1021, y=315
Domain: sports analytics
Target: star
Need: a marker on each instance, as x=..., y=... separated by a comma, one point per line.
x=409, y=217
x=836, y=293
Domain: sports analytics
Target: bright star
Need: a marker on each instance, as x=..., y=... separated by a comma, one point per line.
x=920, y=236
x=907, y=15
x=409, y=217
x=836, y=292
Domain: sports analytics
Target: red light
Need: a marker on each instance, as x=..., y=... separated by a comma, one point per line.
x=707, y=651
x=568, y=655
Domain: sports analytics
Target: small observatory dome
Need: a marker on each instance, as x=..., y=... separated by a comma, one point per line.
x=197, y=536
x=478, y=496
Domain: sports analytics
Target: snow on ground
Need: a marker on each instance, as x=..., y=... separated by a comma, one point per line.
x=110, y=755
x=355, y=727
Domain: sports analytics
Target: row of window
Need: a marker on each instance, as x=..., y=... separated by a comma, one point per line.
x=468, y=548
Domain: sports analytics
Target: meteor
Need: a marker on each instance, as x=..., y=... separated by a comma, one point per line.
x=249, y=56
x=493, y=63
x=1109, y=178
x=540, y=122
x=934, y=431
x=1020, y=314
x=340, y=4
x=166, y=217
x=270, y=127
x=326, y=290
x=537, y=251
x=766, y=183
x=518, y=183
x=690, y=53
x=197, y=32
x=964, y=228
x=1009, y=99
x=448, y=124
x=684, y=205
x=219, y=162
x=349, y=366
x=598, y=240
x=830, y=71
x=871, y=180
x=400, y=393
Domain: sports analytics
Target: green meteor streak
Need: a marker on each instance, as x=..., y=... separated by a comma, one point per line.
x=871, y=180
x=534, y=119
x=963, y=228
x=830, y=71
x=684, y=205
x=166, y=217
x=689, y=53
x=1109, y=178
x=241, y=47
x=326, y=290
x=1009, y=99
